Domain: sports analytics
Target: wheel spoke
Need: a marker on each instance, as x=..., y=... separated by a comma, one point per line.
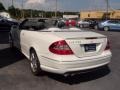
x=33, y=62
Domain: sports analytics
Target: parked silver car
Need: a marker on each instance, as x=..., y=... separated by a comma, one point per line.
x=109, y=25
x=83, y=24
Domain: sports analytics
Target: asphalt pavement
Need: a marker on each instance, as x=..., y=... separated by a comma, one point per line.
x=15, y=72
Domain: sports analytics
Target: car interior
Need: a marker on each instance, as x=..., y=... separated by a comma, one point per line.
x=41, y=24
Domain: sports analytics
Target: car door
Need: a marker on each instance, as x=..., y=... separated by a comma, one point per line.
x=4, y=25
x=16, y=38
x=118, y=25
x=23, y=35
x=112, y=25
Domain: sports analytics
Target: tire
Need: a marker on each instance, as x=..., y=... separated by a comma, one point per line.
x=81, y=26
x=106, y=28
x=34, y=63
x=96, y=27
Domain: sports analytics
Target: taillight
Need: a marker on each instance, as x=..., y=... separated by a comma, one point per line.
x=60, y=48
x=107, y=46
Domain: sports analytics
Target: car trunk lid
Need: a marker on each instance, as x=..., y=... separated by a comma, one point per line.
x=84, y=44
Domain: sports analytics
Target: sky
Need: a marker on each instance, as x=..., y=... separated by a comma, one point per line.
x=63, y=5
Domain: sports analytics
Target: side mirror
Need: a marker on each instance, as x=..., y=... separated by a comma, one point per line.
x=14, y=27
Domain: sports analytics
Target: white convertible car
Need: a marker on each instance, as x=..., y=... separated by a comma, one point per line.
x=59, y=50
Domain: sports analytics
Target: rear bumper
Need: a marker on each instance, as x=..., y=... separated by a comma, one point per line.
x=84, y=25
x=72, y=66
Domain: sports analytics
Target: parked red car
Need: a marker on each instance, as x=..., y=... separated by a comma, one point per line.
x=70, y=23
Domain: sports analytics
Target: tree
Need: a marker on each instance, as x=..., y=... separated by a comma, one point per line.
x=2, y=8
x=12, y=11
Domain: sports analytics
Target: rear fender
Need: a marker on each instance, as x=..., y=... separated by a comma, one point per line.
x=37, y=50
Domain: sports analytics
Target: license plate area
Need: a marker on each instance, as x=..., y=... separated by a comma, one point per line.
x=90, y=47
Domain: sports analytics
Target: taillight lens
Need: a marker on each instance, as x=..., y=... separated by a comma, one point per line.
x=107, y=46
x=60, y=48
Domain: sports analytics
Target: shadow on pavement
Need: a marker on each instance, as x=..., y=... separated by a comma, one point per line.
x=8, y=57
x=81, y=77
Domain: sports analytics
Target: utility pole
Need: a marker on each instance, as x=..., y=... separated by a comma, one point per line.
x=12, y=3
x=55, y=8
x=31, y=13
x=107, y=6
x=107, y=9
x=22, y=10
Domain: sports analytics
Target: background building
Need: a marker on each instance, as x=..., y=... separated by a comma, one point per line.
x=112, y=14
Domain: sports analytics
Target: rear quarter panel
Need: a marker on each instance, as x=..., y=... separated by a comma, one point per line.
x=40, y=41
